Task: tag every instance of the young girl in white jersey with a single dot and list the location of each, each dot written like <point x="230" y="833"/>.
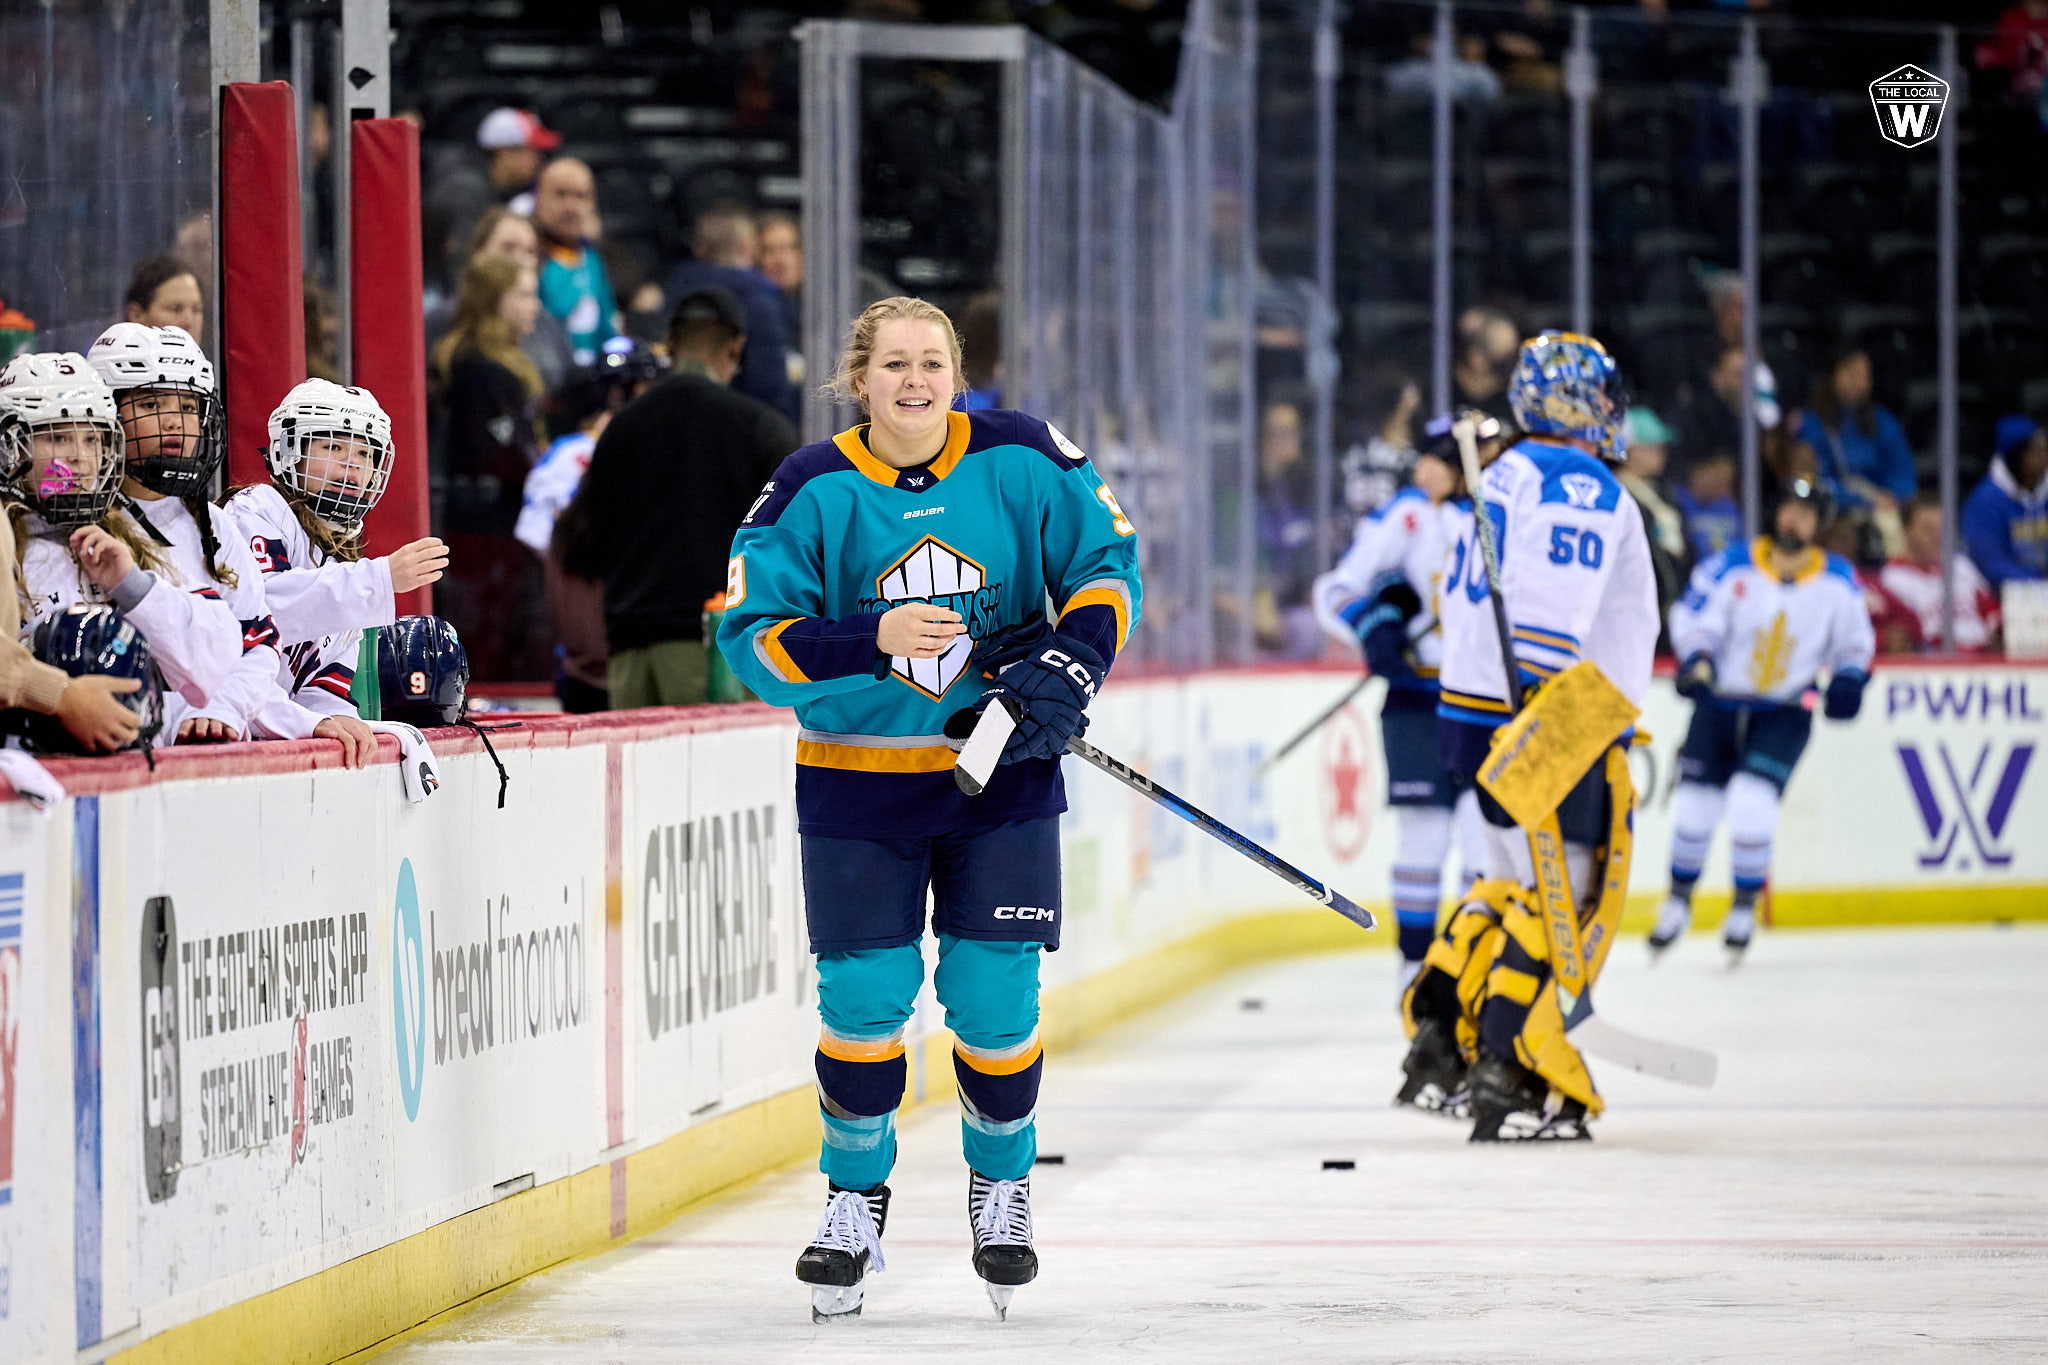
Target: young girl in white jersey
<point x="60" y="473"/>
<point x="330" y="458"/>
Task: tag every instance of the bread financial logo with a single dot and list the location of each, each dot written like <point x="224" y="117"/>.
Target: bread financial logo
<point x="1909" y="104"/>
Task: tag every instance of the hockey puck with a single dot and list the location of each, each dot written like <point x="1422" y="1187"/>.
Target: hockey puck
<point x="1340" y="1165"/>
<point x="1251" y="1003"/>
<point x="1055" y="1159"/>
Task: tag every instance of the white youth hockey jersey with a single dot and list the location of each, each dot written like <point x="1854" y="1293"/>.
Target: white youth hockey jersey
<point x="193" y="634"/>
<point x="1410" y="536"/>
<point x="321" y="605"/>
<point x="1575" y="574"/>
<point x="1772" y="638"/>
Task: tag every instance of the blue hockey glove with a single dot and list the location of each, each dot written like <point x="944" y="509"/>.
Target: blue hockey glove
<point x="1386" y="650"/>
<point x="1381" y="620"/>
<point x="1052" y="687"/>
<point x="1696" y="678"/>
<point x="1845" y="695"/>
<point x="1010" y="645"/>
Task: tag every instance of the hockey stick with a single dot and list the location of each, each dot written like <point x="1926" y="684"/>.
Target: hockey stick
<point x="1673" y="1061"/>
<point x="985" y="742"/>
<point x="1265" y="764"/>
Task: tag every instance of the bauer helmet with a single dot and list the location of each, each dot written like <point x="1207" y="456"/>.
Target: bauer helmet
<point x="1810" y="493"/>
<point x="331" y="446"/>
<point x="85" y="640"/>
<point x="159" y="376"/>
<point x="1567" y="385"/>
<point x="60" y="438"/>
<point x="422" y="671"/>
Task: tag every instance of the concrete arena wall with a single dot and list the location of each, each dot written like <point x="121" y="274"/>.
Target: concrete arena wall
<point x="291" y="1065"/>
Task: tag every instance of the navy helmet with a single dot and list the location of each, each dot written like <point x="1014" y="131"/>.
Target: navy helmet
<point x="85" y="640"/>
<point x="422" y="671"/>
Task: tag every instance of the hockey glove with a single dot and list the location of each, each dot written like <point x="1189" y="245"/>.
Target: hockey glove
<point x="1052" y="687"/>
<point x="1845" y="695"/>
<point x="1696" y="678"/>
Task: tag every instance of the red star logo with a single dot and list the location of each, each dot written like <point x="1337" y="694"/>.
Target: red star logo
<point x="1344" y="774"/>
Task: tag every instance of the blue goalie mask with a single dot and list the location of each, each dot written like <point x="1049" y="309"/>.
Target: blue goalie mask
<point x="1566" y="385"/>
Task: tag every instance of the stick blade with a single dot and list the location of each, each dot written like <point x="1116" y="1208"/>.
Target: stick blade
<point x="984" y="747"/>
<point x="1667" y="1061"/>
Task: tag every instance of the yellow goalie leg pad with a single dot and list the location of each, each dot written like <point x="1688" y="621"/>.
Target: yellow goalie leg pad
<point x="1519" y="978"/>
<point x="1600" y="930"/>
<point x="1465" y="952"/>
<point x="1560" y="733"/>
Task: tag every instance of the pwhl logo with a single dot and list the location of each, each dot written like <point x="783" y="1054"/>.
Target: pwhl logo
<point x="1909" y="103"/>
<point x="1979" y="800"/>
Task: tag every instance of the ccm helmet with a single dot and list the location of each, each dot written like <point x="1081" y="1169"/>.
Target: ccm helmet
<point x="1567" y="385"/>
<point x="163" y="387"/>
<point x="422" y="671"/>
<point x="331" y="446"/>
<point x="89" y="639"/>
<point x="54" y="407"/>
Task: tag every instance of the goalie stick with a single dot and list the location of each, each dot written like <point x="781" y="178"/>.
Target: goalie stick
<point x="1672" y="1061"/>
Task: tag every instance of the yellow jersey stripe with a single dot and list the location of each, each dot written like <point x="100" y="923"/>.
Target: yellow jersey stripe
<point x="935" y="758"/>
<point x="1472" y="703"/>
<point x="1104" y="597"/>
<point x="771" y="643"/>
<point x="855" y="448"/>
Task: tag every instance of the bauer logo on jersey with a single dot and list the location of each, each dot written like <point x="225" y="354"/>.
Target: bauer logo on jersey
<point x="1909" y="103"/>
<point x="935" y="572"/>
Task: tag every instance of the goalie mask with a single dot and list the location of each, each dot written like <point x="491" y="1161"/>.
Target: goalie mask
<point x="1568" y="386"/>
<point x="331" y="446"/>
<point x="60" y="439"/>
<point x="87" y="640"/>
<point x="163" y="387"/>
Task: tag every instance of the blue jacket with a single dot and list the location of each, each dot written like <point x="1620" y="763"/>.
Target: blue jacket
<point x="764" y="363"/>
<point x="1882" y="457"/>
<point x="2005" y="527"/>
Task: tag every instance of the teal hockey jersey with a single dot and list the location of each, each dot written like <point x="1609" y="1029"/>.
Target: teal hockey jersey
<point x="1007" y="523"/>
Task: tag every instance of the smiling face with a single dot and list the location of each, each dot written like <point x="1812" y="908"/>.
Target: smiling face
<point x="908" y="385"/>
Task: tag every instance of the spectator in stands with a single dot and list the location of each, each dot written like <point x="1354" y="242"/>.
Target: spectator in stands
<point x="723" y="254"/>
<point x="1713" y="520"/>
<point x="1471" y="78"/>
<point x="501" y="232"/>
<point x="573" y="284"/>
<point x="1642" y="474"/>
<point x="1709" y="415"/>
<point x="1487" y="347"/>
<point x="484" y="397"/>
<point x="981" y="351"/>
<point x="2005" y="518"/>
<point x="667" y="487"/>
<point x="323" y="332"/>
<point x="2020" y="47"/>
<point x="1725" y="299"/>
<point x="782" y="261"/>
<point x="461" y="188"/>
<point x="1864" y="458"/>
<point x="1374" y="469"/>
<point x="1905" y="596"/>
<point x="1284" y="620"/>
<point x="163" y="292"/>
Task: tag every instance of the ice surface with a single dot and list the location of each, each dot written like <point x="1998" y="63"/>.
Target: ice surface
<point x="1867" y="1182"/>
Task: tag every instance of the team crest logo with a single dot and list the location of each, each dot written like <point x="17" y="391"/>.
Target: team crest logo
<point x="1347" y="792"/>
<point x="1909" y="104"/>
<point x="1976" y="798"/>
<point x="1581" y="491"/>
<point x="935" y="572"/>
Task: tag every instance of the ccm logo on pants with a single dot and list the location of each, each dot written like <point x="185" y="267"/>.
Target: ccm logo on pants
<point x="1025" y="912"/>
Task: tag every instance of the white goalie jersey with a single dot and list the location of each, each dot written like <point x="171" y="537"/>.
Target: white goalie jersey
<point x="1771" y="638"/>
<point x="1575" y="575"/>
<point x="321" y="605"/>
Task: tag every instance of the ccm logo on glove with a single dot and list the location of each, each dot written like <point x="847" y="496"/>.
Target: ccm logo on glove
<point x="1076" y="671"/>
<point x="1026" y="912"/>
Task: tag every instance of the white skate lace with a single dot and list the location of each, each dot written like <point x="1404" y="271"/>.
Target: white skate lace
<point x="849" y="1226"/>
<point x="1004" y="1218"/>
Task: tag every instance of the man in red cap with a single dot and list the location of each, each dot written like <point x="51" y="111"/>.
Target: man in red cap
<point x="461" y="187"/>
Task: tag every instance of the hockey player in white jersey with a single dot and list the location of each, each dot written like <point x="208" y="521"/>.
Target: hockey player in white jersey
<point x="330" y="457"/>
<point x="1382" y="598"/>
<point x="1758" y="627"/>
<point x="61" y="469"/>
<point x="174" y="441"/>
<point x="1577" y="584"/>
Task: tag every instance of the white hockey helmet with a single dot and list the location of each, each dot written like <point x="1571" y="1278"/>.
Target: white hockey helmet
<point x="340" y="491"/>
<point x="130" y="356"/>
<point x="50" y="392"/>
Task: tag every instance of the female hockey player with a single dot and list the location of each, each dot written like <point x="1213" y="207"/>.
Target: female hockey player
<point x="330" y="457"/>
<point x="1577" y="584"/>
<point x="1382" y="597"/>
<point x="874" y="565"/>
<point x="1756" y="628"/>
<point x="61" y="462"/>
<point x="174" y="442"/>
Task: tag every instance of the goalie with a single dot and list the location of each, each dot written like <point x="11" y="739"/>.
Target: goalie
<point x="1577" y="589"/>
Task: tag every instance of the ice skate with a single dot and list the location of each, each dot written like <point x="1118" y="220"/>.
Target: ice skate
<point x="848" y="1245"/>
<point x="999" y="1213"/>
<point x="1435" y="1072"/>
<point x="1510" y="1103"/>
<point x="1672" y="923"/>
<point x="1736" y="932"/>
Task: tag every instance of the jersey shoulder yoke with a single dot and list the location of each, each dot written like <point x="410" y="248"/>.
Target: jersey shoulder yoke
<point x="797" y="469"/>
<point x="1571" y="476"/>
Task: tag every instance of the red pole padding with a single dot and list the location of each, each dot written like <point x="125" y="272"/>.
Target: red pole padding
<point x="262" y="294"/>
<point x="387" y="324"/>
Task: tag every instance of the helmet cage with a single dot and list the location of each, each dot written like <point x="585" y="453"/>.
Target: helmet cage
<point x="189" y="472"/>
<point x="319" y="480"/>
<point x="61" y="497"/>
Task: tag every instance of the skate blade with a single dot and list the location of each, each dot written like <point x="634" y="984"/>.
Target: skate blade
<point x="836" y="1302"/>
<point x="1000" y="1295"/>
<point x="1431" y="1099"/>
